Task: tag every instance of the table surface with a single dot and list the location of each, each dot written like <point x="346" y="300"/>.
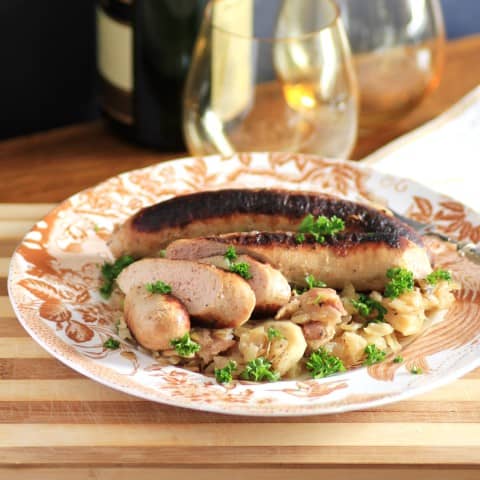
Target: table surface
<point x="50" y="167"/>
<point x="54" y="422"/>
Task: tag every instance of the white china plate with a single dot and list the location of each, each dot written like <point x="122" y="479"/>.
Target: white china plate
<point x="54" y="280"/>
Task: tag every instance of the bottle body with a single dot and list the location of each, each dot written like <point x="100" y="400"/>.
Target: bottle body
<point x="144" y="51"/>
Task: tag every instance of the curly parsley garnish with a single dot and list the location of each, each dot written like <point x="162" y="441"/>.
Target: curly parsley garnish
<point x="231" y="253"/>
<point x="438" y="275"/>
<point x="373" y="355"/>
<point x="224" y="375"/>
<point x="240" y="268"/>
<point x="273" y="333"/>
<point x="416" y="370"/>
<point x="110" y="271"/>
<point x="323" y="364"/>
<point x="319" y="227"/>
<point x="258" y="370"/>
<point x="398" y="359"/>
<point x="312" y="283"/>
<point x="366" y="306"/>
<point x="158" y="287"/>
<point x="300" y="237"/>
<point x="185" y="346"/>
<point x="111" y="344"/>
<point x="401" y="281"/>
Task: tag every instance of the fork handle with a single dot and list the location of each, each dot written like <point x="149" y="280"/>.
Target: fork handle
<point x="467" y="249"/>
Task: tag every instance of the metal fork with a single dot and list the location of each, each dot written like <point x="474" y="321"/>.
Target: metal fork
<point x="466" y="249"/>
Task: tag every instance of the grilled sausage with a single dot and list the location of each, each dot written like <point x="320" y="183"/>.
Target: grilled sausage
<point x="215" y="298"/>
<point x="244" y="210"/>
<point x="271" y="288"/>
<point x="361" y="259"/>
<point x="154" y="319"/>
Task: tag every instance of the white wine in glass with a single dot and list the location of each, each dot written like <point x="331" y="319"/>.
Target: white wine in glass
<point x="271" y="75"/>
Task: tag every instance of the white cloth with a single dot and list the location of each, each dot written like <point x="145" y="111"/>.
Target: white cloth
<point x="443" y="154"/>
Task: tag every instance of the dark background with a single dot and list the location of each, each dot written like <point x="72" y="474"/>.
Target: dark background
<point x="47" y="60"/>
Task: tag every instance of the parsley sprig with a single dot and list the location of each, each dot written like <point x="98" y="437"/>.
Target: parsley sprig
<point x="416" y="370"/>
<point x="401" y="281"/>
<point x="373" y="355"/>
<point x="110" y="272"/>
<point x="185" y="346"/>
<point x="366" y="306"/>
<point x="158" y="287"/>
<point x="240" y="268"/>
<point x="438" y="275"/>
<point x="319" y="227"/>
<point x="273" y="333"/>
<point x="111" y="344"/>
<point x="224" y="375"/>
<point x="258" y="370"/>
<point x="323" y="364"/>
<point x="398" y="359"/>
<point x="231" y="254"/>
<point x="311" y="283"/>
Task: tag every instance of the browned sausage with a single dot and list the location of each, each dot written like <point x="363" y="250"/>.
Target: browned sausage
<point x="243" y="210"/>
<point x="360" y="259"/>
<point x="155" y="319"/>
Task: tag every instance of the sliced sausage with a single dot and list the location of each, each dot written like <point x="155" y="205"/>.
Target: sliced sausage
<point x="155" y="319"/>
<point x="216" y="298"/>
<point x="360" y="259"/>
<point x="271" y="288"/>
<point x="244" y="210"/>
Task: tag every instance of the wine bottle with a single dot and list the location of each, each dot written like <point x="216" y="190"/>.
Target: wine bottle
<point x="144" y="49"/>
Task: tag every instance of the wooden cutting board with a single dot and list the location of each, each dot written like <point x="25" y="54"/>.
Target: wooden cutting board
<point x="55" y="423"/>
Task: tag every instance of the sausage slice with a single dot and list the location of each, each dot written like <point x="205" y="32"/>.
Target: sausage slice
<point x="271" y="288"/>
<point x="215" y="298"/>
<point x="155" y="319"/>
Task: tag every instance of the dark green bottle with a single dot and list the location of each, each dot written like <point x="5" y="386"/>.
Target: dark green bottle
<point x="144" y="50"/>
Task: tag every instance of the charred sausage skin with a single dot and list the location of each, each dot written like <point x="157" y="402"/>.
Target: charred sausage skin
<point x="243" y="210"/>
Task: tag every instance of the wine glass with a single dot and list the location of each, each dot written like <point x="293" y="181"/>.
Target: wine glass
<point x="398" y="52"/>
<point x="271" y="75"/>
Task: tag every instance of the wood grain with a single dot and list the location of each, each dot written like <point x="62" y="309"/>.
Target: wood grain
<point x="136" y="411"/>
<point x="51" y="166"/>
<point x="411" y="435"/>
<point x="232" y="457"/>
<point x="22" y="347"/>
<point x="42" y="368"/>
<point x="197" y="473"/>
